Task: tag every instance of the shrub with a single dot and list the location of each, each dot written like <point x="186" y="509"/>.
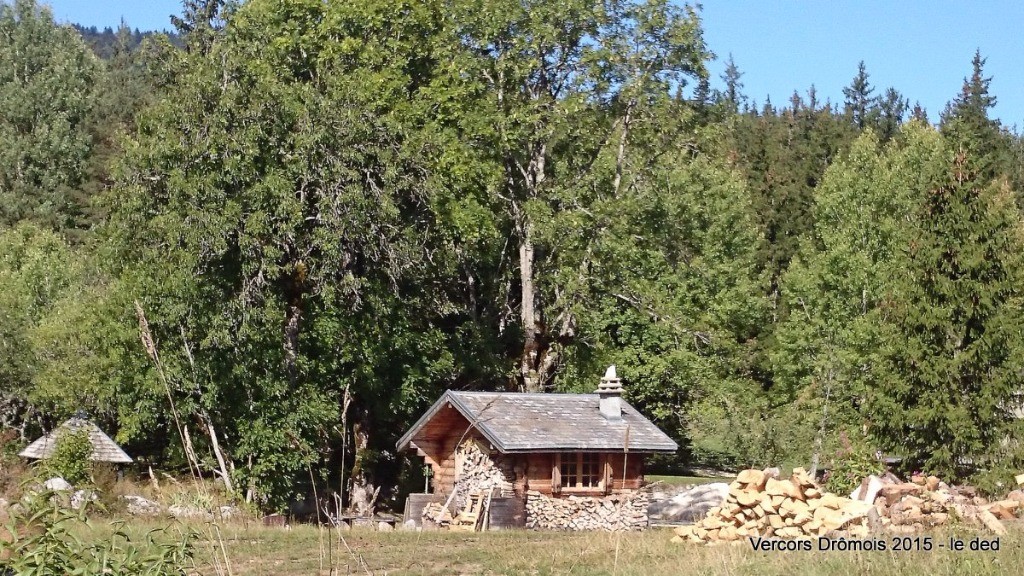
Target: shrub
<point x="45" y="543"/>
<point x="852" y="463"/>
<point x="70" y="459"/>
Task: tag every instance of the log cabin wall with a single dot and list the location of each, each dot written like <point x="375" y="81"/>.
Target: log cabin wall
<point x="436" y="443"/>
<point x="539" y="471"/>
<point x="634" y="471"/>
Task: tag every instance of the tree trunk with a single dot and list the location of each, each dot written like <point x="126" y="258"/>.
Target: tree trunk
<point x="820" y="436"/>
<point x="362" y="493"/>
<point x="218" y="453"/>
<point x="293" y="314"/>
<point x="530" y="360"/>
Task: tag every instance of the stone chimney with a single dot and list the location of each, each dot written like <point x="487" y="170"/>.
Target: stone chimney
<point x="610" y="392"/>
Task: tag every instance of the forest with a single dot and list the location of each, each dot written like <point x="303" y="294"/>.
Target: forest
<point x="285" y="230"/>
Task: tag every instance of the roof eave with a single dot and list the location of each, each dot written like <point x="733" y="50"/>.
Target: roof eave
<point x="465" y="411"/>
<point x="403" y="442"/>
<point x="579" y="449"/>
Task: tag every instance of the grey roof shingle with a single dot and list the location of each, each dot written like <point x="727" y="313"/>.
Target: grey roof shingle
<point x="103" y="448"/>
<point x="524" y="422"/>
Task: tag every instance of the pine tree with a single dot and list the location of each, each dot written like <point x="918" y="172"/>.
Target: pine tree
<point x="953" y="358"/>
<point x="966" y="120"/>
<point x="919" y="113"/>
<point x="859" y="101"/>
<point x="733" y="95"/>
<point x="892" y="109"/>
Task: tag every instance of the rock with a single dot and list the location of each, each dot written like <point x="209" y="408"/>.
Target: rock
<point x="409" y="525"/>
<point x="188" y="512"/>
<point x="57" y="484"/>
<point x="80" y="497"/>
<point x="1016" y="495"/>
<point x="228" y="512"/>
<point x="139" y="506"/>
<point x="384" y="527"/>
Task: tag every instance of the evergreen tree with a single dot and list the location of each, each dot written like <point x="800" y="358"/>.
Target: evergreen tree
<point x="859" y="103"/>
<point x="733" y="95"/>
<point x="892" y="109"/>
<point x="919" y="113"/>
<point x="966" y="120"/>
<point x="837" y="287"/>
<point x="946" y="394"/>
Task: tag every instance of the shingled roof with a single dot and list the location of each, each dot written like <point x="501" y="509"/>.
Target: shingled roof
<point x="103" y="448"/>
<point x="523" y="422"/>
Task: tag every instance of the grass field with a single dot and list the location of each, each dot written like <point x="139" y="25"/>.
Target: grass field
<point x="305" y="550"/>
<point x="686" y="480"/>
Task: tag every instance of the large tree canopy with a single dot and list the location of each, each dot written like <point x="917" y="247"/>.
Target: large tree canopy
<point x="47" y="76"/>
<point x="261" y="248"/>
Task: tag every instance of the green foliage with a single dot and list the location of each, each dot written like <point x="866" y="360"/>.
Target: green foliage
<point x="71" y="457"/>
<point x="36" y="270"/>
<point x="839" y="287"/>
<point x="330" y="212"/>
<point x="946" y="394"/>
<point x="852" y="463"/>
<point x="47" y="542"/>
<point x="46" y="85"/>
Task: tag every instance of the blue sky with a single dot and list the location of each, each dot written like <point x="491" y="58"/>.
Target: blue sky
<point x="922" y="48"/>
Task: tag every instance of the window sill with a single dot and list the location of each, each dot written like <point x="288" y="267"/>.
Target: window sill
<point x="582" y="491"/>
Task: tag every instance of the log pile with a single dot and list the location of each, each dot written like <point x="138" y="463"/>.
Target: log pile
<point x="910" y="507"/>
<point x="761" y="505"/>
<point x="436" y="515"/>
<point x="476" y="471"/>
<point x="616" y="512"/>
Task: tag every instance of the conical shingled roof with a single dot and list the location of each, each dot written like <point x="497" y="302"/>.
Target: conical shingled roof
<point x="103" y="448"/>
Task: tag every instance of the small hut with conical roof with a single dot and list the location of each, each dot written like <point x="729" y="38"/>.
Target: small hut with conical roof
<point x="103" y="448"/>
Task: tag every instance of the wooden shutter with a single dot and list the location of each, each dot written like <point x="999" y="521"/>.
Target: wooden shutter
<point x="556" y="474"/>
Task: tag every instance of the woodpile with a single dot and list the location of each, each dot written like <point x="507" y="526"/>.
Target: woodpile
<point x="476" y="471"/>
<point x="436" y="515"/>
<point x="762" y="505"/>
<point x="910" y="507"/>
<point x="616" y="512"/>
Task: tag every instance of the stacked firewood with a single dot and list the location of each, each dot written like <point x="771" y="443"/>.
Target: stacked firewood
<point x="475" y="472"/>
<point x="910" y="507"/>
<point x="616" y="512"/>
<point x="436" y="514"/>
<point x="760" y="504"/>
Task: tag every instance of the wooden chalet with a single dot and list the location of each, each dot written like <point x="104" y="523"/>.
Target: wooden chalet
<point x="547" y="445"/>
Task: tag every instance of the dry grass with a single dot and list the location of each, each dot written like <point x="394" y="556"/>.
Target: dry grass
<point x="254" y="550"/>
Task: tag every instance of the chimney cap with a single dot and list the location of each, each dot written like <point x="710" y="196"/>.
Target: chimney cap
<point x="610" y="382"/>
